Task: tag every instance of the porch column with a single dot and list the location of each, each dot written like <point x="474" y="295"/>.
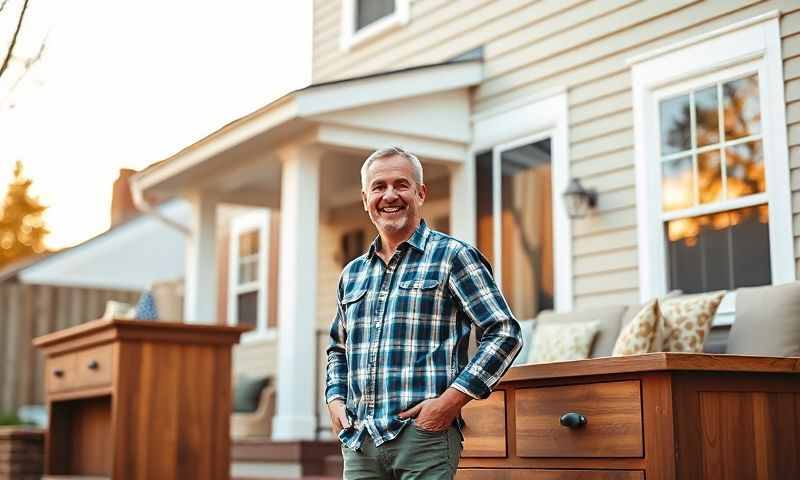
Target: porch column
<point x="463" y="201"/>
<point x="295" y="417"/>
<point x="200" y="283"/>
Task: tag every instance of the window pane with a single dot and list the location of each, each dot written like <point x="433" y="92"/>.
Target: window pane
<point x="675" y="126"/>
<point x="483" y="189"/>
<point x="527" y="220"/>
<point x="709" y="176"/>
<point x="745" y="169"/>
<point x="725" y="250"/>
<point x="248" y="243"/>
<point x="369" y="11"/>
<point x="707" y="116"/>
<point x="677" y="184"/>
<point x="248" y="271"/>
<point x="741" y="108"/>
<point x="247" y="308"/>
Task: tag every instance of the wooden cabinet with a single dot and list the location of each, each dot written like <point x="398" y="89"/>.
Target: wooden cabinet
<point x="659" y="416"/>
<point x="134" y="399"/>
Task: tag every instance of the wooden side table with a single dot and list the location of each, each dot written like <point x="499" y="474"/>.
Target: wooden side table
<point x="662" y="416"/>
<point x="138" y="399"/>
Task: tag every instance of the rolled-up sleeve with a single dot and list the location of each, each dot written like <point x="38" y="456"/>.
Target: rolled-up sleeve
<point x="336" y="376"/>
<point x="472" y="284"/>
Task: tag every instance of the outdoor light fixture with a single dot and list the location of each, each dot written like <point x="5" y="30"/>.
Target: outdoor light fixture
<point x="578" y="199"/>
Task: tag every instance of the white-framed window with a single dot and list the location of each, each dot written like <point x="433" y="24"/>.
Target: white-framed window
<point x="713" y="194"/>
<point x="365" y="19"/>
<point x="247" y="275"/>
<point x="521" y="164"/>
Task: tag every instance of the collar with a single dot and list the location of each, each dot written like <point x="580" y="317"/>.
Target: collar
<point x="417" y="240"/>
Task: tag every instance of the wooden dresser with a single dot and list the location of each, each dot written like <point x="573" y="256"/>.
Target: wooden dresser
<point x="661" y="416"/>
<point x="138" y="399"/>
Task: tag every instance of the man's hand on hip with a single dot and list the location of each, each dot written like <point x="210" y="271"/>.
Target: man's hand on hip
<point x="437" y="414"/>
<point x="338" y="414"/>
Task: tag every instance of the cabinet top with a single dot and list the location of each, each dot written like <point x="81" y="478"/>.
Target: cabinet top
<point x="652" y="362"/>
<point x="102" y="331"/>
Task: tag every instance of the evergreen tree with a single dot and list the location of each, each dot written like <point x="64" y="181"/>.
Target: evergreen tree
<point x="22" y="228"/>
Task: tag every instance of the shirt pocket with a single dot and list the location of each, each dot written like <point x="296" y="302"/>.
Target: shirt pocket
<point x="354" y="307"/>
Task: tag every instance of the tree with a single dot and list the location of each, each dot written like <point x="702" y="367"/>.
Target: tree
<point x="22" y="228"/>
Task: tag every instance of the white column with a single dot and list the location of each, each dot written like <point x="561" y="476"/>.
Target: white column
<point x="200" y="283"/>
<point x="463" y="201"/>
<point x="295" y="417"/>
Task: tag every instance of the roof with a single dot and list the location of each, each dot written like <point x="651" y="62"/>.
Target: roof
<point x="325" y="97"/>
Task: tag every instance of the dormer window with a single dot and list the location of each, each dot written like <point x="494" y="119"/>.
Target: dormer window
<point x="365" y="19"/>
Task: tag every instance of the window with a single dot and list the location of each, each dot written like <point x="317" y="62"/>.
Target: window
<point x="247" y="284"/>
<point x="365" y="19"/>
<point x="521" y="168"/>
<point x="712" y="166"/>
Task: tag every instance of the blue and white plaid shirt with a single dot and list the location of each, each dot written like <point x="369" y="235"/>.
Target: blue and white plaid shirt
<point x="401" y="331"/>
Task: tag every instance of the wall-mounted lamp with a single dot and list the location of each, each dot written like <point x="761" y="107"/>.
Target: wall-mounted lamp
<point x="578" y="199"/>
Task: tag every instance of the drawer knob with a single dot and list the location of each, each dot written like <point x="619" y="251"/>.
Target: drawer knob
<point x="572" y="420"/>
<point x="58" y="372"/>
<point x="93" y="365"/>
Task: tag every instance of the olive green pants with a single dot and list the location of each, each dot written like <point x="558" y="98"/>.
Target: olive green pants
<point x="414" y="454"/>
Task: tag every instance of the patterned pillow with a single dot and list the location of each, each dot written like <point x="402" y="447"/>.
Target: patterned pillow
<point x="558" y="342"/>
<point x="639" y="335"/>
<point x="686" y="321"/>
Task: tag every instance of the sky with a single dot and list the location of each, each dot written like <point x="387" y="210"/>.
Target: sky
<point x="123" y="84"/>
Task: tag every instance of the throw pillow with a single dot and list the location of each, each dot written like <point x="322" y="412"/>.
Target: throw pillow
<point x="687" y="320"/>
<point x="561" y="342"/>
<point x="247" y="393"/>
<point x="639" y="335"/>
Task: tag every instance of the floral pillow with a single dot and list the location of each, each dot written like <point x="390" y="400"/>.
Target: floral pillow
<point x="558" y="342"/>
<point x="686" y="321"/>
<point x="639" y="335"/>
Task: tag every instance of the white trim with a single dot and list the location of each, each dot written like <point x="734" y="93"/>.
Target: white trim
<point x="350" y="37"/>
<point x="749" y="46"/>
<point x="259" y="221"/>
<point x="536" y="119"/>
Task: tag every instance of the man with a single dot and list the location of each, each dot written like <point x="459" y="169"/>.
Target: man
<point x="398" y="372"/>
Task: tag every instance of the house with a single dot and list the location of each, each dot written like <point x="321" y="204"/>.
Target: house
<point x="679" y="118"/>
<point x="71" y="286"/>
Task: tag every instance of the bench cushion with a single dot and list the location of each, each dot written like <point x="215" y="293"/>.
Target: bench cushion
<point x="767" y="321"/>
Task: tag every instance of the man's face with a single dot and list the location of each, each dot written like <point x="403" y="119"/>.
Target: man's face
<point x="392" y="196"/>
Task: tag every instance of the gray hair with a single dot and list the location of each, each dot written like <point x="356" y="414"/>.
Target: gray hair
<point x="391" y="152"/>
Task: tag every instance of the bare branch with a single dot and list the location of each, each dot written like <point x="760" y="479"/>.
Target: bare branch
<point x="3" y="5"/>
<point x="6" y="61"/>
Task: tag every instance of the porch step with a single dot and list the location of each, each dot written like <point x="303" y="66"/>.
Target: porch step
<point x="263" y="459"/>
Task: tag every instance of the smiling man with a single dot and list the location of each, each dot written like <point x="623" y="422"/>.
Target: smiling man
<point x="398" y="373"/>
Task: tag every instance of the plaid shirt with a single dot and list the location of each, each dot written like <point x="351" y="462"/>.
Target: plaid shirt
<point x="401" y="331"/>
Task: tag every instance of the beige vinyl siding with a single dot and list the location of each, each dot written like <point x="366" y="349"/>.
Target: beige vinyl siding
<point x="790" y="31"/>
<point x="581" y="45"/>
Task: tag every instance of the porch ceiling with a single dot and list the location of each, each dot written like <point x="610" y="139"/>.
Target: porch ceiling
<point x="425" y="109"/>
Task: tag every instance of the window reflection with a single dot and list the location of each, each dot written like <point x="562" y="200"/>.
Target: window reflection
<point x="707" y="116"/>
<point x="709" y="176"/>
<point x="741" y="108"/>
<point x="675" y="126"/>
<point x="677" y="184"/>
<point x="725" y="250"/>
<point x="745" y="169"/>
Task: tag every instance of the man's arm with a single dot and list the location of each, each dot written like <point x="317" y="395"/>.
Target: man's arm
<point x="336" y="376"/>
<point x="472" y="284"/>
<point x="474" y="288"/>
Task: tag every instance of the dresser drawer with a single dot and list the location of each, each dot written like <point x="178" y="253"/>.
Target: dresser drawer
<point x="485" y="427"/>
<point x="612" y="413"/>
<point x="88" y="368"/>
<point x="536" y="474"/>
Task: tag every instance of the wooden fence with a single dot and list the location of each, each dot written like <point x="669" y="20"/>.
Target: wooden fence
<point x="28" y="311"/>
